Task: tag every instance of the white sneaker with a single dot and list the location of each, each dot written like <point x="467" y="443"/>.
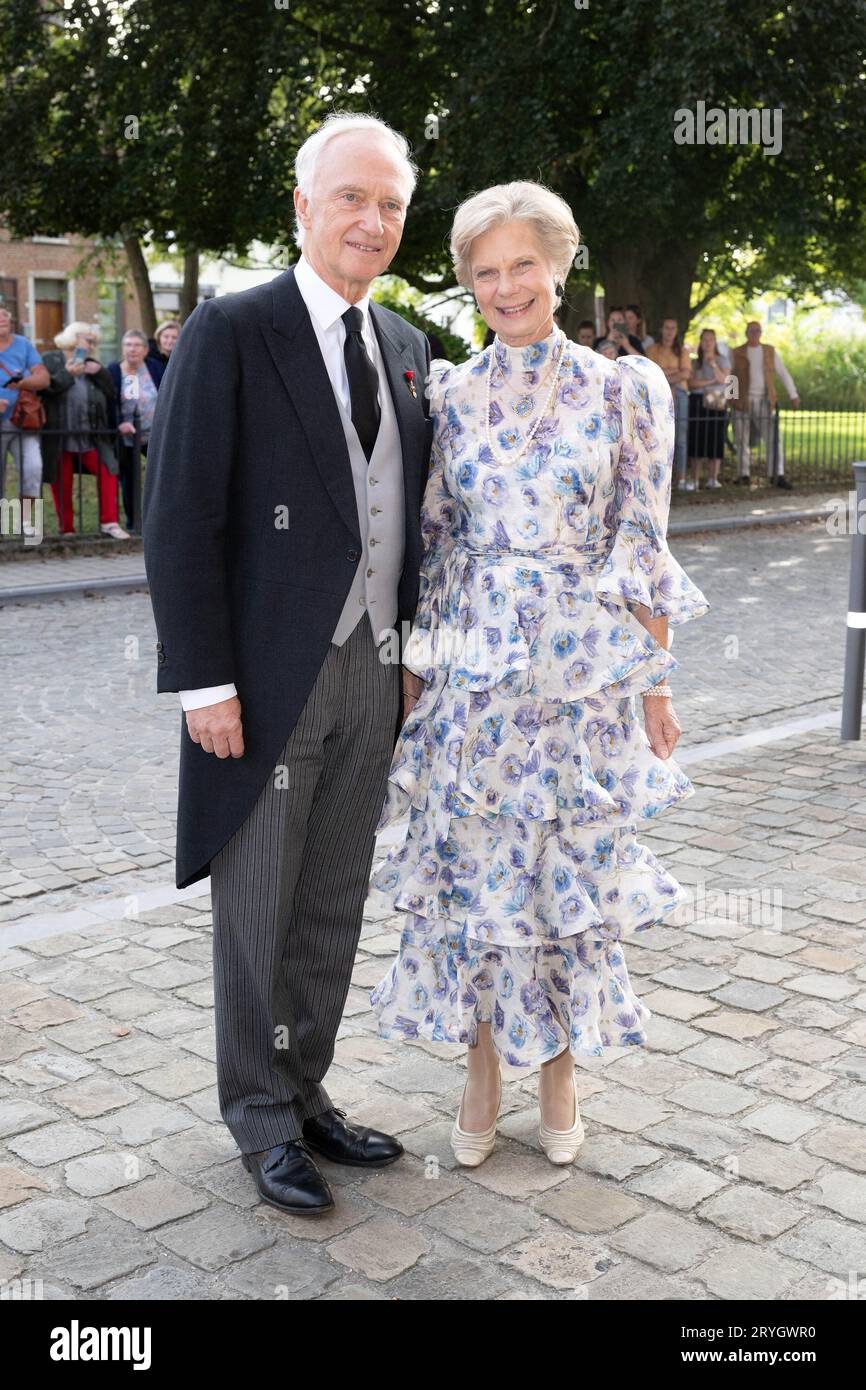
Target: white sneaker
<point x="681" y="485"/>
<point x="471" y="1149"/>
<point x="690" y="484"/>
<point x="561" y="1145"/>
<point x="713" y="482"/>
<point x="115" y="530"/>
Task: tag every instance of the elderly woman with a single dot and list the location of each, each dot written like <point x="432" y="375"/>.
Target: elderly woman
<point x="547" y="590"/>
<point x="136" y="379"/>
<point x="79" y="400"/>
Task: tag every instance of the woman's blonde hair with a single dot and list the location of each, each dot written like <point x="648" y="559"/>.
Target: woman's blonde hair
<point x="161" y="327"/>
<point x="68" y="336"/>
<point x="550" y="216"/>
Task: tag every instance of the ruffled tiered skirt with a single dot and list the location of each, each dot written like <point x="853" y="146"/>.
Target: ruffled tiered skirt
<point x="524" y="772"/>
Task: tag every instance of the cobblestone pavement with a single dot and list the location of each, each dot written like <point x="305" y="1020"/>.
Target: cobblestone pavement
<point x="726" y="1160"/>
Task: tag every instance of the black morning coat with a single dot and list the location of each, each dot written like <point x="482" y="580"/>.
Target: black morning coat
<point x="246" y="424"/>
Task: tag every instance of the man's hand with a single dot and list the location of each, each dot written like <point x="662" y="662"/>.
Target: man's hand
<point x="412" y="686"/>
<point x="795" y="402"/>
<point x="218" y="728"/>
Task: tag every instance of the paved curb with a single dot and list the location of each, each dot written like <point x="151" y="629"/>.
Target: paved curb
<point x="74" y="588"/>
<point x="731" y="523"/>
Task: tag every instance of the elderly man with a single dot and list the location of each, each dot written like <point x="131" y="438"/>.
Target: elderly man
<point x="288" y="460"/>
<point x="20" y="366"/>
<point x="754" y="366"/>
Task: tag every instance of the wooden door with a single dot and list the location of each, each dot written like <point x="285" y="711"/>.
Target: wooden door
<point x="49" y="321"/>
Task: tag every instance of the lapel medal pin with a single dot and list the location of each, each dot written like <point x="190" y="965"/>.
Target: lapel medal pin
<point x="410" y="382"/>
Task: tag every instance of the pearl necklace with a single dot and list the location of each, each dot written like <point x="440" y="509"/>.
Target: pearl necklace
<point x="525" y="394"/>
<point x="543" y="413"/>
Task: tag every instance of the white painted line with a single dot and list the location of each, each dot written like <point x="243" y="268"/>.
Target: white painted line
<point x="96" y="913"/>
<point x="720" y="748"/>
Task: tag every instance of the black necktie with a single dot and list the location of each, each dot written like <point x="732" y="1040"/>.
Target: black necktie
<point x="363" y="382"/>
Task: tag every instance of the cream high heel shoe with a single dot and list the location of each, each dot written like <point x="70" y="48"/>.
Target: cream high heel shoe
<point x="472" y="1149"/>
<point x="561" y="1145"/>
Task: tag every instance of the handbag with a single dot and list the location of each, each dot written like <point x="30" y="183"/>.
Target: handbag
<point x="28" y="412"/>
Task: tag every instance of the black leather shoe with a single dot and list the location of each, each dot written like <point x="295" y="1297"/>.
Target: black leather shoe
<point x="782" y="481"/>
<point x="331" y="1134"/>
<point x="288" y="1177"/>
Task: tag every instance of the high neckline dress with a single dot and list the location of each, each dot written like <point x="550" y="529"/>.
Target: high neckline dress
<point x="524" y="769"/>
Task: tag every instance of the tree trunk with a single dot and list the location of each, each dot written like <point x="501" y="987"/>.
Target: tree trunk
<point x="189" y="290"/>
<point x="141" y="280"/>
<point x="657" y="276"/>
<point x="578" y="304"/>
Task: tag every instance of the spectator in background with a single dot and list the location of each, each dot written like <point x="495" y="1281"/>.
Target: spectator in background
<point x="20" y="366"/>
<point x="636" y="326"/>
<point x="617" y="332"/>
<point x="671" y="355"/>
<point x="755" y="365"/>
<point x="585" y="335"/>
<point x="161" y="344"/>
<point x="79" y="399"/>
<point x="136" y="379"/>
<point x="707" y="410"/>
<point x="607" y="348"/>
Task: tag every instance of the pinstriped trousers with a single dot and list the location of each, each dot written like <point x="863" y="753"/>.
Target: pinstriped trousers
<point x="288" y="893"/>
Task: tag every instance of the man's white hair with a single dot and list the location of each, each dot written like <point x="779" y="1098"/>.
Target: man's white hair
<point x="338" y="123"/>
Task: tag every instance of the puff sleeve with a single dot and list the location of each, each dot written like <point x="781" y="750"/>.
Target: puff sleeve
<point x="441" y="520"/>
<point x="640" y="568"/>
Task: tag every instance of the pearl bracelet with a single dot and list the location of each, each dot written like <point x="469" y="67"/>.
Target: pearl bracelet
<point x="660" y="689"/>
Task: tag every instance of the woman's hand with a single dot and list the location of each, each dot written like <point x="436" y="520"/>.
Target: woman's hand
<point x="661" y="724"/>
<point x="126" y="428"/>
<point x="412" y="686"/>
<point x="659" y="717"/>
<point x="92" y="367"/>
<point x="75" y="368"/>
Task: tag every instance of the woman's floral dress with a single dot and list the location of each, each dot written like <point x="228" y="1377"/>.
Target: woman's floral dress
<point x="524" y="767"/>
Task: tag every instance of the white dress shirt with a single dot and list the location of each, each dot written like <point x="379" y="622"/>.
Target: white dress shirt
<point x="755" y="356"/>
<point x="326" y="309"/>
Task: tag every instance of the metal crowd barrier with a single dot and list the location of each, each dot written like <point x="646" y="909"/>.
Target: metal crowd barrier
<point x="129" y="477"/>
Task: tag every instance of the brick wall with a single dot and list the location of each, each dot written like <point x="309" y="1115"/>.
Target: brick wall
<point x="19" y="260"/>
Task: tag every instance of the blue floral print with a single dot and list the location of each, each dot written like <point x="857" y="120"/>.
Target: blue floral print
<point x="524" y="768"/>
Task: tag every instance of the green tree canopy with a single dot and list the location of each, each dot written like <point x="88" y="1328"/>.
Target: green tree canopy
<point x="584" y="99"/>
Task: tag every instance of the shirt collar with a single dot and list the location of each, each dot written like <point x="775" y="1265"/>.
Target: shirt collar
<point x="325" y="305"/>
